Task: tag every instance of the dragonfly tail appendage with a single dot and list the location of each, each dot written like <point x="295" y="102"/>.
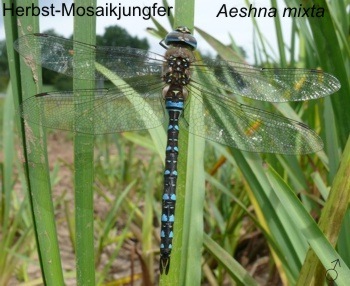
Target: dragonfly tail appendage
<point x="164" y="265"/>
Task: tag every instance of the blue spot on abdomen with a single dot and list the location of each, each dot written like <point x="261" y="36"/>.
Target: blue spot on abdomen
<point x="174" y="104"/>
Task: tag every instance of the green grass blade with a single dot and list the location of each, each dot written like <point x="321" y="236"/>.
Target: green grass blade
<point x="280" y="40"/>
<point x="14" y="232"/>
<point x="261" y="39"/>
<point x="332" y="139"/>
<point x="171" y="17"/>
<point x="192" y="237"/>
<point x="344" y="239"/>
<point x="84" y="31"/>
<point x="34" y="150"/>
<point x="147" y="223"/>
<point x="160" y="31"/>
<point x="224" y="51"/>
<point x="330" y="224"/>
<point x="9" y="154"/>
<point x="184" y="13"/>
<point x="179" y="273"/>
<point x="235" y="270"/>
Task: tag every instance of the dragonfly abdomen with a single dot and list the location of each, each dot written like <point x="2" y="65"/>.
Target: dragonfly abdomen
<point x="174" y="107"/>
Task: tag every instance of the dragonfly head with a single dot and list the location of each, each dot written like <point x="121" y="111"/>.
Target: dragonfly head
<point x="181" y="36"/>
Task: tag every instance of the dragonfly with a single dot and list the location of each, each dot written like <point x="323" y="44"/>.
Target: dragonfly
<point x="197" y="95"/>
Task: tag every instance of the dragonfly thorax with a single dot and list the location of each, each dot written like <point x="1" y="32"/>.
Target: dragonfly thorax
<point x="177" y="78"/>
<point x="176" y="75"/>
<point x="176" y="69"/>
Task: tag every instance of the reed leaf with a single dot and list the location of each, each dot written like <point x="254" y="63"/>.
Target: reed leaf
<point x="84" y="31"/>
<point x="26" y="81"/>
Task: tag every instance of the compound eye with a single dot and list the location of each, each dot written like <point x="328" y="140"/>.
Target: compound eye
<point x="181" y="36"/>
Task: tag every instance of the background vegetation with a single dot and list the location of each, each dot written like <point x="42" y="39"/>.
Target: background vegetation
<point x="268" y="219"/>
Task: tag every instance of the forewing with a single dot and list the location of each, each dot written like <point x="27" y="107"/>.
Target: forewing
<point x="56" y="53"/>
<point x="266" y="84"/>
<point x="225" y="121"/>
<point x="99" y="111"/>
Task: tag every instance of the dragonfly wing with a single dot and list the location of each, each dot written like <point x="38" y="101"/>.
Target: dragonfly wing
<point x="247" y="128"/>
<point x="266" y="84"/>
<point x="99" y="111"/>
<point x="56" y="53"/>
